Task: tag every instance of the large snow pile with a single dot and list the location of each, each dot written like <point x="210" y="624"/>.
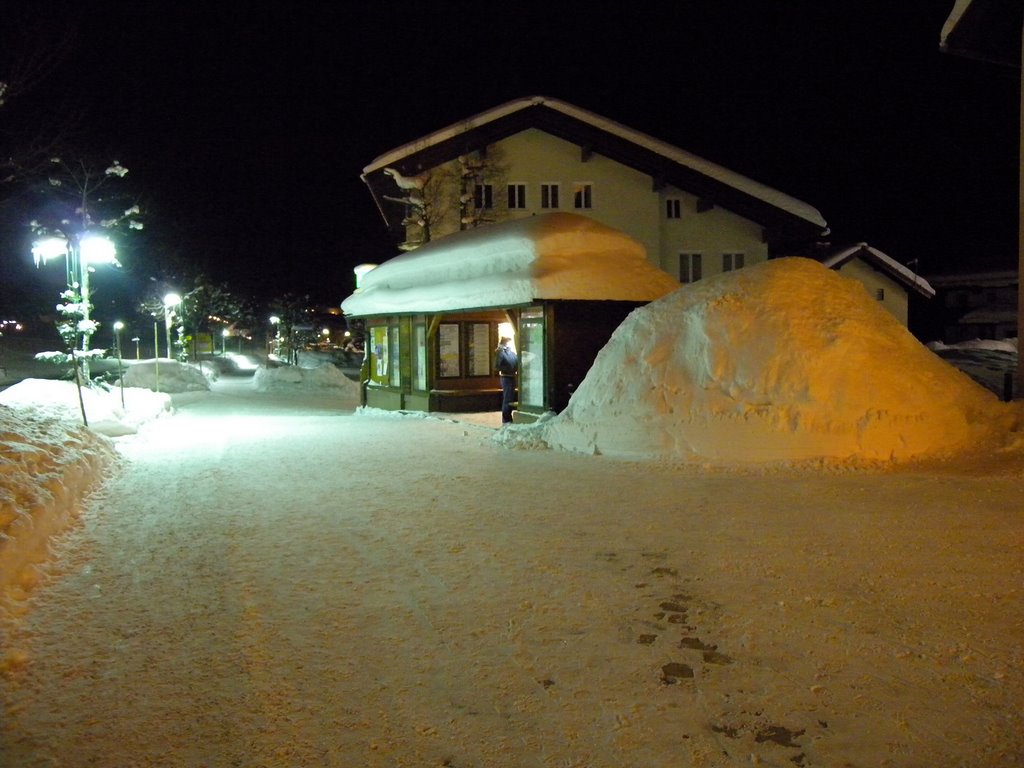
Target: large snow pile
<point x="552" y="256"/>
<point x="105" y="411"/>
<point x="48" y="463"/>
<point x="290" y="378"/>
<point x="782" y="361"/>
<point x="166" y="376"/>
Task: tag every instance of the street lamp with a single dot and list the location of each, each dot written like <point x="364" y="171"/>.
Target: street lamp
<point x="224" y="341"/>
<point x="138" y="354"/>
<point x="275" y="322"/>
<point x="81" y="253"/>
<point x="171" y="300"/>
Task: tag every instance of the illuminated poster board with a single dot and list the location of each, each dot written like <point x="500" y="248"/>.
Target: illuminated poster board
<point x="419" y="357"/>
<point x="379" y="354"/>
<point x="531" y="360"/>
<point x="396" y="370"/>
<point x="449" y="354"/>
<point x="480" y="349"/>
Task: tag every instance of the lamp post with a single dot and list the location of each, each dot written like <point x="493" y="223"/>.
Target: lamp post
<point x="224" y="341"/>
<point x="275" y="323"/>
<point x="80" y="252"/>
<point x="138" y="354"/>
<point x="156" y="352"/>
<point x="171" y="300"/>
<point x="118" y="326"/>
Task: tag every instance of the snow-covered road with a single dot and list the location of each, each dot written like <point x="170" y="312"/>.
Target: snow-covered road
<point x="274" y="581"/>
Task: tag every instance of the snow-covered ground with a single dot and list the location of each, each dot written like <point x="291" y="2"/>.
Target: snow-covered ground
<point x="263" y="574"/>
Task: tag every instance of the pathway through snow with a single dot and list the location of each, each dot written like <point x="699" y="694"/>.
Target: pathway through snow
<point x="278" y="582"/>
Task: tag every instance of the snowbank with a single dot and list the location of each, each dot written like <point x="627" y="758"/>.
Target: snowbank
<point x="783" y="361"/>
<point x="48" y="463"/>
<point x="103" y="408"/>
<point x="165" y="376"/>
<point x="289" y="378"/>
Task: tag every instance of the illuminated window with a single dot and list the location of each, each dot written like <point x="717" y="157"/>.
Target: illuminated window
<point x="673" y="208"/>
<point x="548" y="195"/>
<point x="690" y="267"/>
<point x="516" y="195"/>
<point x="731" y="261"/>
<point x="582" y="197"/>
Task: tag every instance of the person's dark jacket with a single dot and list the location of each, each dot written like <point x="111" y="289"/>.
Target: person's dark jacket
<point x="505" y="361"/>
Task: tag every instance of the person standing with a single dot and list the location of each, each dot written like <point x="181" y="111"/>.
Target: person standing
<point x="506" y="362"/>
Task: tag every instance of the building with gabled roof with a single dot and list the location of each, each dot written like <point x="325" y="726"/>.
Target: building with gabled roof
<point x="540" y="155"/>
<point x="559" y="283"/>
<point x="891" y="283"/>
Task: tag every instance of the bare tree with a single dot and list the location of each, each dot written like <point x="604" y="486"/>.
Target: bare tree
<point x="34" y="43"/>
<point x="461" y="194"/>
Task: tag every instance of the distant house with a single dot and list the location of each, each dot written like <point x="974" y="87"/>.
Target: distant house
<point x="888" y="281"/>
<point x="976" y="305"/>
<point x="541" y="155"/>
<point x="992" y="31"/>
<point x="559" y="283"/>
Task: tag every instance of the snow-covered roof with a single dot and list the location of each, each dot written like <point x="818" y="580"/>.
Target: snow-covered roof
<point x="883" y="261"/>
<point x="989" y="30"/>
<point x="1001" y="278"/>
<point x="998" y="314"/>
<point x="553" y="256"/>
<point x="688" y="160"/>
<point x="950" y="25"/>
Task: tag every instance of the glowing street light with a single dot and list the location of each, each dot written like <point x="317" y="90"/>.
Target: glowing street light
<point x="96" y="249"/>
<point x="48" y="248"/>
<point x="80" y="253"/>
<point x="275" y="322"/>
<point x="224" y="341"/>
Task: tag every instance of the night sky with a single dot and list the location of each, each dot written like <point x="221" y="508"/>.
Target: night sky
<point x="246" y="125"/>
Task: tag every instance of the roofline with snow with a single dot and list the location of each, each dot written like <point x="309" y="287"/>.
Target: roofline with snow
<point x="883" y="262"/>
<point x="664" y="163"/>
<point x="986" y="30"/>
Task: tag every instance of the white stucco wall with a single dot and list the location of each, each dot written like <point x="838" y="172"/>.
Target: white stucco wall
<point x="622" y="198"/>
<point x="895" y="295"/>
<point x="710" y="233"/>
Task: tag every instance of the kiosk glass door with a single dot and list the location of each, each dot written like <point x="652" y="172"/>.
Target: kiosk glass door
<point x="531" y="358"/>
